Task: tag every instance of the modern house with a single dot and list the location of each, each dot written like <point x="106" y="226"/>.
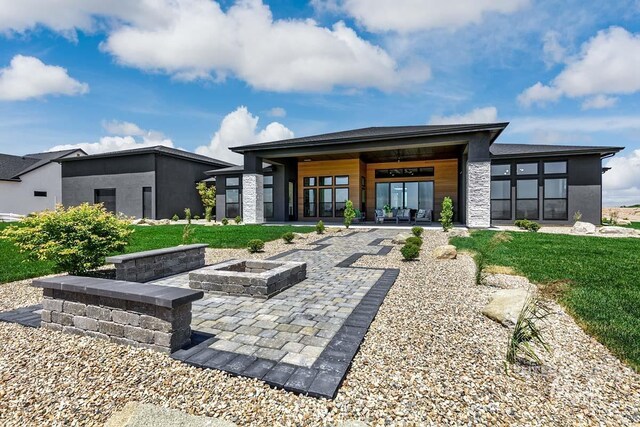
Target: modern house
<point x="32" y="182"/>
<point x="154" y="182"/>
<point x="414" y="168"/>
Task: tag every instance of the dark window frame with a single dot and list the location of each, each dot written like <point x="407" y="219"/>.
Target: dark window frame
<point x="565" y="198"/>
<point x="503" y="178"/>
<point x="307" y="181"/>
<point x="39" y="193"/>
<point x="339" y="212"/>
<point x="306" y="212"/>
<point x="321" y="181"/>
<point x="237" y="204"/>
<point x="537" y="198"/>
<point x="226" y="181"/>
<point x="537" y="173"/>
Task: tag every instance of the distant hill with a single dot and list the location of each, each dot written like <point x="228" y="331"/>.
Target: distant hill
<point x="632" y="206"/>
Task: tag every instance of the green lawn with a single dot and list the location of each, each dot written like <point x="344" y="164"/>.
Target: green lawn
<point x="13" y="265"/>
<point x="603" y="291"/>
<point x="635" y="225"/>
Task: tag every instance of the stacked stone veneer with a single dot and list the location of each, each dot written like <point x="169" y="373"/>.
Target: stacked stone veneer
<point x="257" y="278"/>
<point x="479" y="194"/>
<point x="156" y="264"/>
<point x="121" y="320"/>
<point x="252" y="198"/>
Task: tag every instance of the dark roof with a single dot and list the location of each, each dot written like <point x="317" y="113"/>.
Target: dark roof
<point x="158" y="149"/>
<point x="528" y="150"/>
<point x="235" y="170"/>
<point x="12" y="167"/>
<point x="374" y="133"/>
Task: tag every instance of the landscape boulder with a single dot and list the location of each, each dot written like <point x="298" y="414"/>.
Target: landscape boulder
<point x="621" y="231"/>
<point x="624" y="222"/>
<point x="459" y="232"/>
<point x="445" y="252"/>
<point x="583" y="228"/>
<point x="505" y="306"/>
<point x="400" y="239"/>
<point x="301" y="236"/>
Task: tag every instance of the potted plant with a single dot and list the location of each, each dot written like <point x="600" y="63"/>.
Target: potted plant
<point x="387" y="211"/>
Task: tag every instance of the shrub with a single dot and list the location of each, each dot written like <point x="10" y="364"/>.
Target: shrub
<point x="196" y="217"/>
<point x="207" y="194"/>
<point x="288" y="237"/>
<point x="255" y="245"/>
<point x="187" y="234"/>
<point x="208" y="213"/>
<point x="446" y="215"/>
<point x="410" y="252"/>
<point x="525" y="224"/>
<point x="175" y="217"/>
<point x="320" y="227"/>
<point x="413" y="240"/>
<point x="527" y="332"/>
<point x="417" y="231"/>
<point x="75" y="239"/>
<point x="224" y="221"/>
<point x="187" y="215"/>
<point x="238" y="219"/>
<point x="533" y="226"/>
<point x="577" y="216"/>
<point x="349" y="213"/>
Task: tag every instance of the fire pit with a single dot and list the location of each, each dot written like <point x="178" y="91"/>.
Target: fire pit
<point x="256" y="278"/>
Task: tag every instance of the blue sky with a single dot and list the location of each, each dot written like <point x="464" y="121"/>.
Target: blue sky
<point x="204" y="75"/>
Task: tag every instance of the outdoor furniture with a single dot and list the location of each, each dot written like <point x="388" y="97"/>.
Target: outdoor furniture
<point x="403" y="215"/>
<point x="423" y="215"/>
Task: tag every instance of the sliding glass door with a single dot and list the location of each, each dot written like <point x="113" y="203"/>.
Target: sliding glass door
<point x="405" y="195"/>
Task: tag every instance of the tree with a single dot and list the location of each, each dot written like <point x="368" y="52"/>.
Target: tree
<point x="349" y="213"/>
<point x="446" y="216"/>
<point x="207" y="194"/>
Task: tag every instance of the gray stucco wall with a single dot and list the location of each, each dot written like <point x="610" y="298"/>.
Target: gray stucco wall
<point x="80" y="189"/>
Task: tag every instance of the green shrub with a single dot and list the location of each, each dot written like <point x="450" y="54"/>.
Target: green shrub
<point x="525" y="224"/>
<point x="75" y="239"/>
<point x="527" y="331"/>
<point x="533" y="226"/>
<point x="288" y="237"/>
<point x="207" y="194"/>
<point x="187" y="215"/>
<point x="255" y="245"/>
<point x="413" y="240"/>
<point x="320" y="227"/>
<point x="224" y="221"/>
<point x="446" y="215"/>
<point x="577" y="216"/>
<point x="349" y="213"/>
<point x="238" y="219"/>
<point x="196" y="217"/>
<point x="187" y="234"/>
<point x="208" y="213"/>
<point x="175" y="217"/>
<point x="417" y="231"/>
<point x="410" y="252"/>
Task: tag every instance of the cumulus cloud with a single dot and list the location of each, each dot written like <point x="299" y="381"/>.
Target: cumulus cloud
<point x="125" y="136"/>
<point x="27" y="77"/>
<point x="240" y="127"/>
<point x="621" y="184"/>
<point x="405" y="16"/>
<point x="554" y="52"/>
<point x="599" y="102"/>
<point x="277" y="112"/>
<point x="478" y="115"/>
<point x="607" y="64"/>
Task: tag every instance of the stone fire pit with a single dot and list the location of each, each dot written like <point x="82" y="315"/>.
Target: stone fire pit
<point x="256" y="278"/>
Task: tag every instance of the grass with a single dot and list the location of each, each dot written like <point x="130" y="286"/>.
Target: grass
<point x="15" y="266"/>
<point x="635" y="225"/>
<point x="596" y="279"/>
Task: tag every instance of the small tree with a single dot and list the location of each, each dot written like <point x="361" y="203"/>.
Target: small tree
<point x="349" y="213"/>
<point x="208" y="213"/>
<point x="446" y="216"/>
<point x="75" y="239"/>
<point x="320" y="227"/>
<point x="207" y="195"/>
<point x="187" y="215"/>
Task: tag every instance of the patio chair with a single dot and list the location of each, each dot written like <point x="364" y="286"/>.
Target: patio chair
<point x="403" y="215"/>
<point x="423" y="215"/>
<point x="379" y="216"/>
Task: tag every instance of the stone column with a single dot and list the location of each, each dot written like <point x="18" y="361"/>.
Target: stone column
<point x="252" y="198"/>
<point x="478" y="194"/>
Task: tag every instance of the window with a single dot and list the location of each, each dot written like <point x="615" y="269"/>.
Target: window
<point x="555" y="198"/>
<point x="404" y="172"/>
<point x="342" y="180"/>
<point x="232" y="182"/>
<point x="146" y="203"/>
<point x="527" y="199"/>
<point x="382" y="194"/>
<point x="309" y="181"/>
<point x="342" y="195"/>
<point x="326" y="202"/>
<point x="39" y="194"/>
<point x="106" y="196"/>
<point x="405" y="195"/>
<point x="232" y="202"/>
<point x="268" y="180"/>
<point x="500" y="170"/>
<point x="527" y="169"/>
<point x="501" y="199"/>
<point x="309" y="202"/>
<point x="326" y="180"/>
<point x="555" y="167"/>
<point x="268" y="202"/>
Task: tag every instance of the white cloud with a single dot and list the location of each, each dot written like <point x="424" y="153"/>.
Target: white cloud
<point x="530" y="124"/>
<point x="478" y="115"/>
<point x="608" y="64"/>
<point x="240" y="127"/>
<point x="621" y="184"/>
<point x="277" y="112"/>
<point x="599" y="102"/>
<point x="115" y="127"/>
<point x="27" y="77"/>
<point x="554" y="52"/>
<point x="405" y="16"/>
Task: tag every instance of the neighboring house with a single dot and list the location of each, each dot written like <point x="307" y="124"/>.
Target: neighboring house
<point x="32" y="182"/>
<point x="414" y="167"/>
<point x="154" y="182"/>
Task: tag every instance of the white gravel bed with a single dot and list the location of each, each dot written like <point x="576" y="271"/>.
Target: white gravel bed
<point x="429" y="358"/>
<point x="562" y="230"/>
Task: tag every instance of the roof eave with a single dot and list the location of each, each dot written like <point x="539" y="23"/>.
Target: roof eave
<point x="610" y="151"/>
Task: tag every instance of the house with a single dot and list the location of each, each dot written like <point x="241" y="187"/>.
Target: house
<point x="413" y="167"/>
<point x="151" y="182"/>
<point x="32" y="182"/>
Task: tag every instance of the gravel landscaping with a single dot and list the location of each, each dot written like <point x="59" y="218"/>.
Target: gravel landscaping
<point x="429" y="357"/>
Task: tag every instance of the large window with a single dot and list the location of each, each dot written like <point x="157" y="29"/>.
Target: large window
<point x="309" y="202"/>
<point x="405" y="195"/>
<point x="106" y="196"/>
<point x="326" y="202"/>
<point x="501" y="199"/>
<point x="342" y="195"/>
<point x="527" y="199"/>
<point x="232" y="202"/>
<point x="555" y="199"/>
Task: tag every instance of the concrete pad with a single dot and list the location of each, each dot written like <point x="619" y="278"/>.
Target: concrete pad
<point x="136" y="414"/>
